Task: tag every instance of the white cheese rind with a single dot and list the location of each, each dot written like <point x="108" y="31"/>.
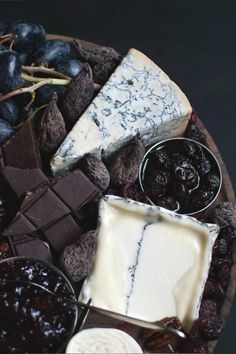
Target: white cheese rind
<point x="150" y="263"/>
<point x="138" y="99"/>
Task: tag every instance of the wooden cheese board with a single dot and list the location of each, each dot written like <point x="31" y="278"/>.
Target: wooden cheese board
<point x="226" y="194"/>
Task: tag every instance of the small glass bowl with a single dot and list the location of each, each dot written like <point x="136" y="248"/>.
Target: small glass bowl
<point x="167" y="144"/>
<point x="22" y="262"/>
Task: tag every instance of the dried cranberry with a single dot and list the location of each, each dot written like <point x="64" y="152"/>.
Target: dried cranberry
<point x="213" y="290"/>
<point x="185" y="172"/>
<point x="157" y="182"/>
<point x="220" y="247"/>
<point x="132" y="190"/>
<point x="202" y="198"/>
<point x="4" y="250"/>
<point x="167" y="202"/>
<point x="189" y="148"/>
<point x="212" y="181"/>
<point x="208" y="307"/>
<point x="161" y="158"/>
<point x="181" y="192"/>
<point x="203" y="167"/>
<point x="194" y="133"/>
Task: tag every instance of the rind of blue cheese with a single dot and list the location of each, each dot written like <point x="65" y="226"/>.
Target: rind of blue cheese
<point x="150" y="263"/>
<point x="138" y="99"/>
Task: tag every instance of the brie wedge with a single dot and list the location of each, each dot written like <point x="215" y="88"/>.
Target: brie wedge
<point x="138" y="99"/>
<point x="150" y="262"/>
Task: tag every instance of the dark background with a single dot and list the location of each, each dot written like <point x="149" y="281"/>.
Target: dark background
<point x="193" y="41"/>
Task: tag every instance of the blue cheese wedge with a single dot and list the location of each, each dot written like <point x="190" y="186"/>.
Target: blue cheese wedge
<point x="150" y="263"/>
<point x="138" y="99"/>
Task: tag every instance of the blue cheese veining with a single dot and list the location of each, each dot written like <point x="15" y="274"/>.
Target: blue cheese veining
<point x="138" y="99"/>
<point x="150" y="263"/>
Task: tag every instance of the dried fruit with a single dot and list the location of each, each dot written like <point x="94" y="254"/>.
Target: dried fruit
<point x="212" y="181"/>
<point x="103" y="70"/>
<point x="103" y="60"/>
<point x="228" y="233"/>
<point x="52" y="129"/>
<point x="4" y="250"/>
<point x="77" y="259"/>
<point x="224" y="214"/>
<point x="157" y="182"/>
<point x="208" y="307"/>
<point x="206" y="327"/>
<point x="223" y="274"/>
<point x="77" y="96"/>
<point x="132" y="190"/>
<point x="194" y="133"/>
<point x="96" y="171"/>
<point x="124" y="166"/>
<point x="2" y="210"/>
<point x="167" y="202"/>
<point x="220" y="247"/>
<point x="153" y="340"/>
<point x="213" y="290"/>
<point x="195" y="347"/>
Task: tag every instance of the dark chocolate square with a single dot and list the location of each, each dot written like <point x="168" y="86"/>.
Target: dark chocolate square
<point x="75" y="190"/>
<point x="46" y="209"/>
<point x="62" y="233"/>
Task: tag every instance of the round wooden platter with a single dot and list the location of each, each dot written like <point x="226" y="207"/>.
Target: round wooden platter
<point x="226" y="193"/>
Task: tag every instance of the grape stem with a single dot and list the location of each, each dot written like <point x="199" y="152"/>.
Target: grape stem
<point x="43" y="69"/>
<point x="32" y="88"/>
<point x="7" y="38"/>
<point x="52" y="81"/>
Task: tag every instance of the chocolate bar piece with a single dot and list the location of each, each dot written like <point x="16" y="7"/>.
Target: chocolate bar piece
<point x="21" y="181"/>
<point x="21" y="150"/>
<point x="30" y="246"/>
<point x="49" y="209"/>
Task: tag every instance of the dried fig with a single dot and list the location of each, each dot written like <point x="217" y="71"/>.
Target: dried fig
<point x="96" y="171"/>
<point x="124" y="166"/>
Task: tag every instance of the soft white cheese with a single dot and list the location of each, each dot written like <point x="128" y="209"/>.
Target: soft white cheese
<point x="138" y="99"/>
<point x="102" y="340"/>
<point x="150" y="263"/>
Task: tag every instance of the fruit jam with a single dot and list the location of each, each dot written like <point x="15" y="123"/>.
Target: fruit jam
<point x="31" y="319"/>
<point x="180" y="175"/>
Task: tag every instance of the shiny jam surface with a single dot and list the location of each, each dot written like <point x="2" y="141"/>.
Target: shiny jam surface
<point x="32" y="320"/>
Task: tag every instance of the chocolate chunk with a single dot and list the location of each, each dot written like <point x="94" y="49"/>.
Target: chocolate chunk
<point x="77" y="96"/>
<point x="29" y="246"/>
<point x="22" y="150"/>
<point x="52" y="130"/>
<point x="77" y="259"/>
<point x="21" y="181"/>
<point x="46" y="208"/>
<point x="62" y="233"/>
<point x="19" y="225"/>
<point x="96" y="171"/>
<point x="49" y="209"/>
<point x="75" y="190"/>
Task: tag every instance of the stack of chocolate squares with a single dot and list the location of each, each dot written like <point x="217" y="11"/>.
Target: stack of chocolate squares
<point x="46" y="215"/>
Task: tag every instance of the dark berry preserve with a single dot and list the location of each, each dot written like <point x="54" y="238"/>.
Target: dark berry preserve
<point x="32" y="320"/>
<point x="181" y="175"/>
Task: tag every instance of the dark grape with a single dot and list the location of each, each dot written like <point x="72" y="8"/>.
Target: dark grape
<point x="68" y="66"/>
<point x="29" y="35"/>
<point x="6" y="131"/>
<point x="9" y="111"/>
<point x="23" y="57"/>
<point x="49" y="52"/>
<point x="10" y="69"/>
<point x="44" y="94"/>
